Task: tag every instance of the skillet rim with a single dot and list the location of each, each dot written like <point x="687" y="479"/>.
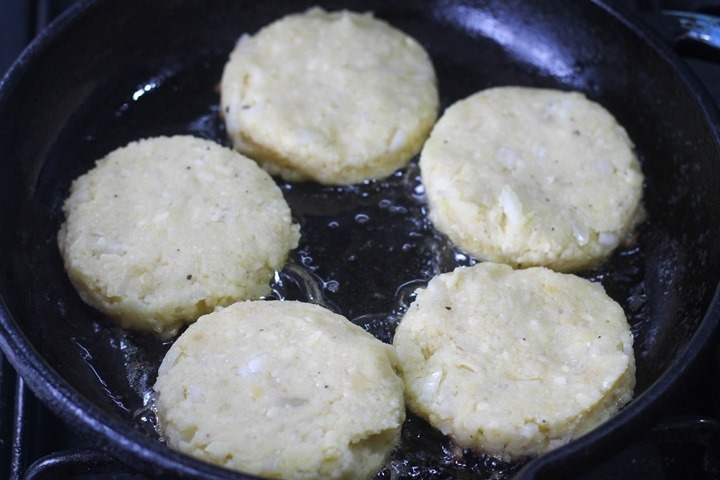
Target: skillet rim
<point x="127" y="444"/>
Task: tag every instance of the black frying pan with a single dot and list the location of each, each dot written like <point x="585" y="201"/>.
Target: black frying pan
<point x="113" y="71"/>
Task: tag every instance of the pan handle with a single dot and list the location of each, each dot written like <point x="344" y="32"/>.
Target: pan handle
<point x="698" y="27"/>
<point x="71" y="463"/>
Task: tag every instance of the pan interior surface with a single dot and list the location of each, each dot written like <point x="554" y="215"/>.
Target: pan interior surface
<point x="125" y="70"/>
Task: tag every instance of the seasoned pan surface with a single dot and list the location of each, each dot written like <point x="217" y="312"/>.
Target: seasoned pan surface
<point x="116" y="71"/>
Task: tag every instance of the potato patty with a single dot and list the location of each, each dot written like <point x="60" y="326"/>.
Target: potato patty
<point x="514" y="362"/>
<point x="281" y="389"/>
<point x="532" y="177"/>
<point x="338" y="97"/>
<point x="164" y="230"/>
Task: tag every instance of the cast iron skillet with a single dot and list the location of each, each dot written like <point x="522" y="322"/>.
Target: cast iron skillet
<point x="112" y="71"/>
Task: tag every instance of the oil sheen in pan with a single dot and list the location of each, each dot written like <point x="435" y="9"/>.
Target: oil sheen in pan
<point x="364" y="250"/>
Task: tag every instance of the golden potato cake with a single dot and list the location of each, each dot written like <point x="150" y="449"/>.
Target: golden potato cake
<point x="514" y="362"/>
<point x="165" y="229"/>
<point x="334" y="97"/>
<point x="532" y="177"/>
<point x="281" y="389"/>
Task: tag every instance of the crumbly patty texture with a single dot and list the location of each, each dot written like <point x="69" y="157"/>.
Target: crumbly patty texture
<point x="514" y="362"/>
<point x="337" y="97"/>
<point x="281" y="389"/>
<point x="165" y="229"/>
<point x="532" y="177"/>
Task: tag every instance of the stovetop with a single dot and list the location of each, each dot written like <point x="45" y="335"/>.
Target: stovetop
<point x="685" y="443"/>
